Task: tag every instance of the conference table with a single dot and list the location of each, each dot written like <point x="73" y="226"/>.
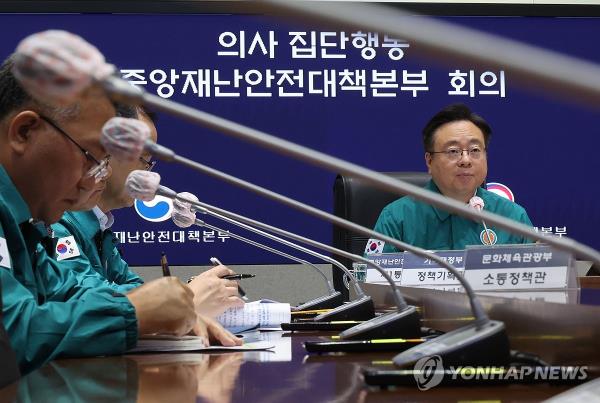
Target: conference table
<point x="289" y="374"/>
<point x="239" y="377"/>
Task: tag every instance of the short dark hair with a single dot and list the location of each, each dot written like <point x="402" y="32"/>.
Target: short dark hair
<point x="13" y="96"/>
<point x="454" y="113"/>
<point x="124" y="110"/>
<point x="144" y="110"/>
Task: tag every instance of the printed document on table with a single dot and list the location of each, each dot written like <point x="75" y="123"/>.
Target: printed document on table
<point x="257" y="314"/>
<point x="165" y="343"/>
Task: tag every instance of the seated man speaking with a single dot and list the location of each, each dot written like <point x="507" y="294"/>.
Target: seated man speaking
<point x="455" y="141"/>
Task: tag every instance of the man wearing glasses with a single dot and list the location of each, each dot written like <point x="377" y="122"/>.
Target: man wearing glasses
<point x="98" y="260"/>
<point x="455" y="141"/>
<point x="50" y="158"/>
<point x="87" y="229"/>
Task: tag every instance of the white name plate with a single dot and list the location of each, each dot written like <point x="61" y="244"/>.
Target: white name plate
<point x="516" y="267"/>
<point x="390" y="262"/>
<point x="417" y="271"/>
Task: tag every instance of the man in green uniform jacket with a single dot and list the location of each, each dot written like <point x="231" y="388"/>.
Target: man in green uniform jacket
<point x="93" y="255"/>
<point x="97" y="260"/>
<point x="49" y="156"/>
<point x="455" y="141"/>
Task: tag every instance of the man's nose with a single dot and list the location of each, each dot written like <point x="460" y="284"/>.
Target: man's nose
<point x="465" y="158"/>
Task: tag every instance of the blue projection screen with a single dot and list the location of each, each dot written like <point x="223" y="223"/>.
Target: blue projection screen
<point x="359" y="96"/>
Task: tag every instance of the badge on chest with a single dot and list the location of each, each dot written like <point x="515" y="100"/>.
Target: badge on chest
<point x="66" y="248"/>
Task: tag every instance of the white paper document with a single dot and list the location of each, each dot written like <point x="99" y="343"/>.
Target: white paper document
<point x="159" y="342"/>
<point x="257" y="314"/>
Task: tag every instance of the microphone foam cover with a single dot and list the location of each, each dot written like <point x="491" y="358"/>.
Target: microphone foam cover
<point x="183" y="214"/>
<point x="124" y="138"/>
<point x="185" y="205"/>
<point x="477" y="203"/>
<point x="142" y="185"/>
<point x="56" y="66"/>
<point x="182" y="218"/>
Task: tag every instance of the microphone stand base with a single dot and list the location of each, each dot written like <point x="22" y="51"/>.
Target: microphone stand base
<point x="468" y="345"/>
<point x="359" y="309"/>
<point x="404" y="325"/>
<point x="325" y="302"/>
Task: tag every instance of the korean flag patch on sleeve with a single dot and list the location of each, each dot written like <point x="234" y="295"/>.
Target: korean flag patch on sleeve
<point x="4" y="255"/>
<point x="66" y="248"/>
<point x="374" y="246"/>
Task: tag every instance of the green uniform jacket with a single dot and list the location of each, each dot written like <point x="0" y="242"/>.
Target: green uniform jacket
<point x="428" y="227"/>
<point x="46" y="312"/>
<point x="99" y="262"/>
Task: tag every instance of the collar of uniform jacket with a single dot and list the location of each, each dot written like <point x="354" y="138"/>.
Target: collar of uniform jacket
<point x="106" y="220"/>
<point x="443" y="215"/>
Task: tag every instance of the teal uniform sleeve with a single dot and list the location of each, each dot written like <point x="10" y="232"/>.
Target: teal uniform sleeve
<point x="117" y="269"/>
<point x="124" y="279"/>
<point x="94" y="322"/>
<point x="390" y="224"/>
<point x="96" y="268"/>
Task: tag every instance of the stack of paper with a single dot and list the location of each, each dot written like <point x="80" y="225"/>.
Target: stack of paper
<point x="257" y="314"/>
<point x="160" y="342"/>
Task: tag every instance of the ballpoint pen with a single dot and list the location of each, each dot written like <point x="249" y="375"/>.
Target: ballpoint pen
<point x="164" y="265"/>
<point x="242" y="293"/>
<point x="241" y="276"/>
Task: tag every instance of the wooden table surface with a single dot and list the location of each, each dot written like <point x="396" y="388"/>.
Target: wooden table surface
<point x="561" y="334"/>
<point x="287" y="375"/>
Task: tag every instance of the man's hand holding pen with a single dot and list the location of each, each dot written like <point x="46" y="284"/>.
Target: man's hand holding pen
<point x="214" y="294"/>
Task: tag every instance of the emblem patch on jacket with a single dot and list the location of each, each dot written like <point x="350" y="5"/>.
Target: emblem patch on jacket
<point x="4" y="255"/>
<point x="488" y="237"/>
<point x="66" y="248"/>
<point x="374" y="246"/>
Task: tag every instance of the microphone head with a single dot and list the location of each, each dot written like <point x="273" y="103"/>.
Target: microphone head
<point x="477" y="203"/>
<point x="184" y="215"/>
<point x="124" y="138"/>
<point x="142" y="185"/>
<point x="56" y="66"/>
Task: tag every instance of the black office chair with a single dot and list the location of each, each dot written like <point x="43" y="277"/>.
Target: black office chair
<point x="361" y="203"/>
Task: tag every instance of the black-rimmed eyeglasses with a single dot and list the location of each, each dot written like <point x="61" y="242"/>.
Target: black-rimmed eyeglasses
<point x="148" y="164"/>
<point x="99" y="169"/>
<point x="456" y="153"/>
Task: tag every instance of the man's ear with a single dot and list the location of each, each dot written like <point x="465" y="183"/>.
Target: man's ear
<point x="21" y="129"/>
<point x="428" y="162"/>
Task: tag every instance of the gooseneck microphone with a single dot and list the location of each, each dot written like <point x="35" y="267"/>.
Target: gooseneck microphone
<point x="144" y="185"/>
<point x="482" y="332"/>
<point x="453" y="44"/>
<point x="45" y="61"/>
<point x="359" y="292"/>
<point x="183" y="216"/>
<point x="386" y="319"/>
<point x="402" y="323"/>
<point x="57" y="66"/>
<point x="477" y="203"/>
<point x="482" y="329"/>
